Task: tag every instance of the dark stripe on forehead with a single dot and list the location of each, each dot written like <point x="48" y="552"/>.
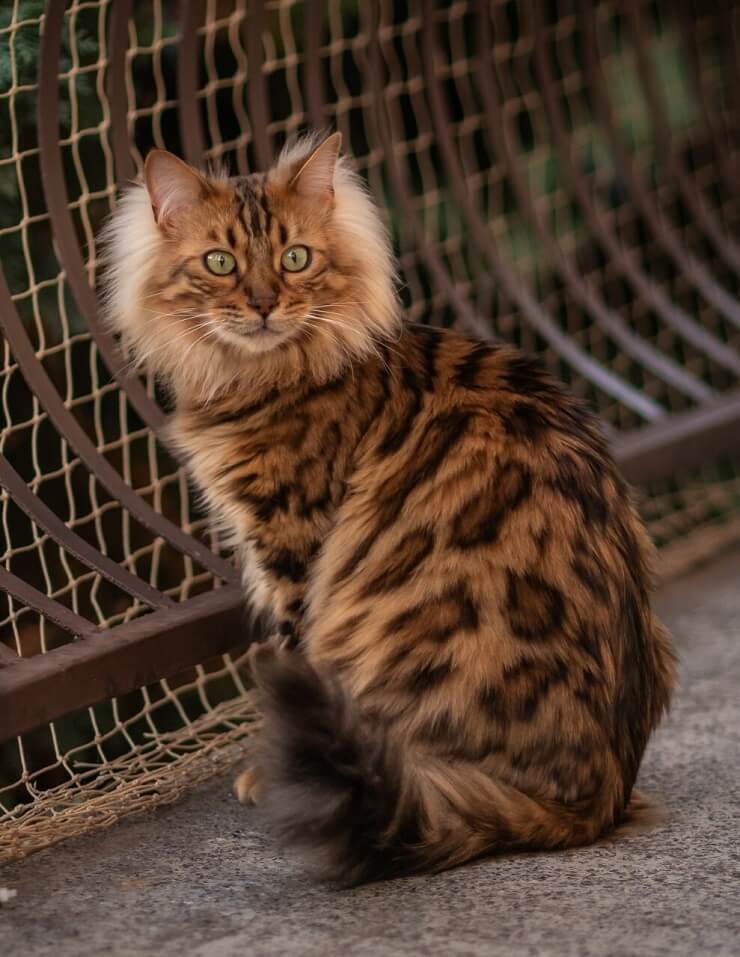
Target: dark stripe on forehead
<point x="283" y="234"/>
<point x="240" y="213"/>
<point x="254" y="210"/>
<point x="246" y="210"/>
<point x="230" y="237"/>
<point x="266" y="210"/>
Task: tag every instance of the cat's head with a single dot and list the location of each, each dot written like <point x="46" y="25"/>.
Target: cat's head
<point x="271" y="276"/>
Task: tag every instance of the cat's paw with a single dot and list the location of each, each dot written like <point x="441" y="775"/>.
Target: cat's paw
<point x="249" y="786"/>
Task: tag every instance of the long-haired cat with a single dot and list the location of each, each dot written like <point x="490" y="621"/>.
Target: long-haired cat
<point x="465" y="660"/>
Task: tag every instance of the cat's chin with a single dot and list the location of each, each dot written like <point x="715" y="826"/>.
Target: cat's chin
<point x="254" y="343"/>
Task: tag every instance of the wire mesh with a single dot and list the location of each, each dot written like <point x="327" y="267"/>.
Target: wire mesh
<point x="574" y="161"/>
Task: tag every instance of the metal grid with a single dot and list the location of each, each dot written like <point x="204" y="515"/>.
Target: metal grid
<point x="562" y="176"/>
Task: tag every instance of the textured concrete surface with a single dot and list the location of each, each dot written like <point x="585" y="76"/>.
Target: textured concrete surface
<point x="202" y="879"/>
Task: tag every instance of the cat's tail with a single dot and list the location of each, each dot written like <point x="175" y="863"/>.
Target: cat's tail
<point x="363" y="808"/>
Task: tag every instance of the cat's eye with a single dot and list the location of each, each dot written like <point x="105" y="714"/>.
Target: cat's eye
<point x="296" y="258"/>
<point x="220" y="262"/>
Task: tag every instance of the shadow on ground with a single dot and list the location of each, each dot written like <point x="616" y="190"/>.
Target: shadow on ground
<point x="201" y="878"/>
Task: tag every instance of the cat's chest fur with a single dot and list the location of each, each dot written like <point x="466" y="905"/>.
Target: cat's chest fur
<point x="272" y="478"/>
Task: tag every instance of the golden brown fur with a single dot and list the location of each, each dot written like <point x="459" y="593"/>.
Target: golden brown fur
<point x="468" y="660"/>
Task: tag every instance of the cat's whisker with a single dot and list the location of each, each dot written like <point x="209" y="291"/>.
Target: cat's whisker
<point x="141" y="359"/>
<point x="211" y="332"/>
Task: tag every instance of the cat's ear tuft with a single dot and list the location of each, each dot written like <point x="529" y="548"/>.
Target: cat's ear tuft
<point x="315" y="178"/>
<point x="173" y="186"/>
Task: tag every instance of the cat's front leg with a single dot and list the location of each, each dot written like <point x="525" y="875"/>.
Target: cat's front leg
<point x="248" y="786"/>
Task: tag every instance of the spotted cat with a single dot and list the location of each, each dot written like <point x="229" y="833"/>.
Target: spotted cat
<point x="464" y="657"/>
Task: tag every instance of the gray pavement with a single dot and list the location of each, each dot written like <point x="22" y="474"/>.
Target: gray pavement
<point x="201" y="878"/>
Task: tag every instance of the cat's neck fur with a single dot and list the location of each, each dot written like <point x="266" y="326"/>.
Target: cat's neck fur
<point x="246" y="379"/>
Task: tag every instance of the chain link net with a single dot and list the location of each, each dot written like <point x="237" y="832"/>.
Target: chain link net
<point x="591" y="158"/>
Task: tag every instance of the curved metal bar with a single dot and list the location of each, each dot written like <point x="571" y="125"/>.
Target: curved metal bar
<point x="584" y="294"/>
<point x="43" y="388"/>
<point x="686" y="263"/>
<point x="726" y="160"/>
<point x="730" y="49"/>
<point x="188" y="58"/>
<point x="55" y="193"/>
<point x="650" y="293"/>
<point x="312" y="75"/>
<point x="694" y="200"/>
<point x="532" y="311"/>
<point x="254" y="25"/>
<point x="685" y="441"/>
<point x="43" y="516"/>
<point x="465" y="312"/>
<point x="116" y="89"/>
<point x="48" y="607"/>
<point x="37" y="690"/>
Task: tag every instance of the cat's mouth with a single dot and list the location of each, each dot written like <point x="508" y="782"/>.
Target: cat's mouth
<point x="262" y="330"/>
<point x="257" y="335"/>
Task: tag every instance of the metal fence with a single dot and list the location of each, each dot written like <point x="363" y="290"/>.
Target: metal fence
<point x="562" y="175"/>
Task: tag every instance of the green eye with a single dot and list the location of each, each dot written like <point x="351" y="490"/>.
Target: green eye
<point x="220" y="262"/>
<point x="296" y="258"/>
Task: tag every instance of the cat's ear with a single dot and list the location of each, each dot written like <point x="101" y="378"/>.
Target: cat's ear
<point x="173" y="186"/>
<point x="315" y="178"/>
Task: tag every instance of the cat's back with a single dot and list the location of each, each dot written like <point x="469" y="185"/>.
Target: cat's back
<point x="482" y="489"/>
<point x="466" y="426"/>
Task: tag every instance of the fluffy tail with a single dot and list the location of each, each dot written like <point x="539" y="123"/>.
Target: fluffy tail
<point x="337" y="787"/>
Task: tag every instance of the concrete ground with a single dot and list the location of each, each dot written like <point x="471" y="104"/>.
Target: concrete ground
<point x="202" y="879"/>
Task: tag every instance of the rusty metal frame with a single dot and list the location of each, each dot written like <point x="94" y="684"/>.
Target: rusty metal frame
<point x="102" y="663"/>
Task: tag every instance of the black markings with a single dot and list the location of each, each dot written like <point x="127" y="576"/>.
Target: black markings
<point x="254" y="212"/>
<point x="286" y="564"/>
<point x="590" y="571"/>
<point x="244" y="411"/>
<point x="289" y="631"/>
<point x="526" y="421"/>
<point x="438" y="729"/>
<point x="526" y="376"/>
<point x="535" y="609"/>
<point x="439" y="437"/>
<point x="399" y="432"/>
<point x="318" y="503"/>
<point x="635" y="689"/>
<point x="481" y="518"/>
<point x="493" y="703"/>
<point x="427" y="677"/>
<point x="452" y="612"/>
<point x="331" y="386"/>
<point x="267" y="212"/>
<point x="469" y="616"/>
<point x="408" y="556"/>
<point x="537" y="679"/>
<point x="242" y="216"/>
<point x="359" y="554"/>
<point x="469" y="367"/>
<point x="267" y="506"/>
<point x="283" y="232"/>
<point x="431" y="340"/>
<point x="230" y="237"/>
<point x="583" y="487"/>
<point x="589" y="641"/>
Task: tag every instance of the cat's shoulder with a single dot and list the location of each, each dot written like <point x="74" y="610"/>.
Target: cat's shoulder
<point x="530" y="404"/>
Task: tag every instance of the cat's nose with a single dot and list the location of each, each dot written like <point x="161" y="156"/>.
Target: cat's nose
<point x="263" y="301"/>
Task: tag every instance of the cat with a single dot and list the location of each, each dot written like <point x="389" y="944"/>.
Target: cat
<point x="464" y="659"/>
